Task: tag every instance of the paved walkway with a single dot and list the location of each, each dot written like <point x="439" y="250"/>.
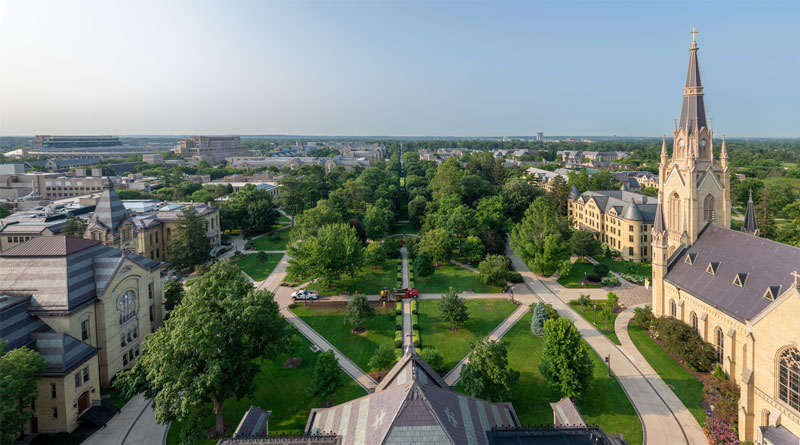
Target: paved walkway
<point x="134" y="425"/>
<point x="454" y="375"/>
<point x="465" y="266"/>
<point x="684" y="416"/>
<point x="660" y="424"/>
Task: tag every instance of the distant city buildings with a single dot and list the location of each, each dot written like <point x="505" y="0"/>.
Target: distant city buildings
<point x="63" y="147"/>
<point x="544" y="178"/>
<point x="213" y="149"/>
<point x="540" y="136"/>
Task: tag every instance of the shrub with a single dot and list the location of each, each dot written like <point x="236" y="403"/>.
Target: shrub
<point x="594" y="278"/>
<point x="681" y="340"/>
<point x="415" y="321"/>
<point x="433" y="358"/>
<point x="398" y="323"/>
<point x="633" y="278"/>
<point x="720" y="373"/>
<point x="720" y="433"/>
<point x="600" y="269"/>
<point x="515" y="277"/>
<point x="415" y="338"/>
<point x="398" y="353"/>
<point x="383" y="358"/>
<point x="398" y="339"/>
<point x="413" y="306"/>
<point x="398" y="308"/>
<point x="609" y="280"/>
<point x="552" y="314"/>
<point x="724" y="395"/>
<point x="585" y="300"/>
<point x="643" y="317"/>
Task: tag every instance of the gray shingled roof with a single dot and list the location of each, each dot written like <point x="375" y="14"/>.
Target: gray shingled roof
<point x="109" y="212"/>
<point x="255" y="422"/>
<point x="16" y="324"/>
<point x="750" y="225"/>
<point x="766" y="262"/>
<point x="62" y="352"/>
<point x="636" y="207"/>
<point x="779" y="434"/>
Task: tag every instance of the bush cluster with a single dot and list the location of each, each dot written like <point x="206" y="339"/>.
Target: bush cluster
<point x="682" y="341"/>
<point x="515" y="277"/>
<point x="609" y="280"/>
<point x="398" y="339"/>
<point x="414" y="321"/>
<point x="398" y="323"/>
<point x="633" y="278"/>
<point x="414" y="306"/>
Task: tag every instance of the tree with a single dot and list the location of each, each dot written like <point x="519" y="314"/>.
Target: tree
<point x="423" y="264"/>
<point x="565" y="267"/>
<point x="494" y="270"/>
<point x="361" y="233"/>
<point x="650" y="191"/>
<point x="173" y="295"/>
<point x="557" y="196"/>
<point x="486" y="375"/>
<point x="374" y="254"/>
<point x="539" y="317"/>
<point x="333" y="251"/>
<point x="453" y="309"/>
<point x="447" y="179"/>
<point x="357" y="311"/>
<point x="438" y="244"/>
<point x="189" y="246"/>
<point x="416" y="210"/>
<point x="74" y="227"/>
<point x="583" y="243"/>
<point x="579" y="179"/>
<point x="566" y="362"/>
<point x="376" y="222"/>
<point x="537" y="238"/>
<point x="211" y="342"/>
<point x="327" y="376"/>
<point x="604" y="180"/>
<point x="309" y="222"/>
<point x="20" y="370"/>
<point x="262" y="258"/>
<point x="382" y="358"/>
<point x="517" y="196"/>
<point x="202" y="196"/>
<point x="4" y="212"/>
<point x="613" y="300"/>
<point x="472" y="249"/>
<point x="433" y="358"/>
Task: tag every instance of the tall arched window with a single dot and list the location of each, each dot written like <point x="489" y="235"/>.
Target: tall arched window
<point x="673" y="308"/>
<point x="789" y="377"/>
<point x="708" y="208"/>
<point x="720" y="338"/>
<point x="693" y="317"/>
<point x="674" y="221"/>
<point x="126" y="305"/>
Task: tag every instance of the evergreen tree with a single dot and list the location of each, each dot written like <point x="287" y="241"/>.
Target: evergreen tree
<point x="558" y="196"/>
<point x="539" y="317"/>
<point x="189" y="246"/>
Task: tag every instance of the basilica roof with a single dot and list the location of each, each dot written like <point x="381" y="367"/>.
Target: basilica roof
<point x="751" y="271"/>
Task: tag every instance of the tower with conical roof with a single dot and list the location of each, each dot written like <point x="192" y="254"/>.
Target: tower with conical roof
<point x="750" y="225"/>
<point x="695" y="186"/>
<point x="111" y="224"/>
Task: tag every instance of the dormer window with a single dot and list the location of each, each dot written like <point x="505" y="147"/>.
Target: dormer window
<point x="772" y="293"/>
<point x="740" y="279"/>
<point x="712" y="268"/>
<point x="690" y="257"/>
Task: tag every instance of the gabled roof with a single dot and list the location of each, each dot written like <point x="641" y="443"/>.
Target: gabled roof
<point x="765" y="262"/>
<point x="62" y="352"/>
<point x="110" y="213"/>
<point x="255" y="422"/>
<point x="51" y="246"/>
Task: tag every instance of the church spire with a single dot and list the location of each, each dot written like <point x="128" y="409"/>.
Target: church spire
<point x="693" y="112"/>
<point x="659" y="227"/>
<point x="723" y="154"/>
<point x="664" y="154"/>
<point x="750" y="225"/>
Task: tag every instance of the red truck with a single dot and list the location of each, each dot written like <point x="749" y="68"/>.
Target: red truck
<point x="405" y="293"/>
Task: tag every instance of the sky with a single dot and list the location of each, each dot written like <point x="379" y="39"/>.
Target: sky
<point x="394" y="68"/>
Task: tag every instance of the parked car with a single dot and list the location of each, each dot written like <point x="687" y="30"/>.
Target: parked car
<point x="305" y="294"/>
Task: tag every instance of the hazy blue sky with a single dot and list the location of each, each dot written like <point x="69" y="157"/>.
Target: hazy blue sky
<point x="393" y="68"/>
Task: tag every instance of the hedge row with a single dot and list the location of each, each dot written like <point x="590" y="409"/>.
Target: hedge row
<point x="415" y="321"/>
<point x="398" y="339"/>
<point x="415" y="338"/>
<point x="398" y="308"/>
<point x="398" y="323"/>
<point x="413" y="306"/>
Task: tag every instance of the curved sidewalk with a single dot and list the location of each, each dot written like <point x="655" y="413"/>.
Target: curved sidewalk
<point x="662" y="422"/>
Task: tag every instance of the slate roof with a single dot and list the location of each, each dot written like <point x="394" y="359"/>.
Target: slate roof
<point x="255" y="422"/>
<point x="62" y="273"/>
<point x="750" y="225"/>
<point x="109" y="212"/>
<point x="779" y="435"/>
<point x="631" y="206"/>
<point x="766" y="262"/>
<point x="16" y="324"/>
<point x="422" y="407"/>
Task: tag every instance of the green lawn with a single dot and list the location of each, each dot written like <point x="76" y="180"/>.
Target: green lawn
<point x="281" y="238"/>
<point x="251" y="266"/>
<point x="284" y="391"/>
<point x="405" y="228"/>
<point x="330" y="324"/>
<point x="576" y="275"/>
<point x="601" y="325"/>
<point x="449" y="275"/>
<point x="368" y="281"/>
<point x="484" y="317"/>
<point x="683" y="383"/>
<point x="115" y="398"/>
<point x="605" y="405"/>
<point x="622" y="266"/>
<point x="284" y="220"/>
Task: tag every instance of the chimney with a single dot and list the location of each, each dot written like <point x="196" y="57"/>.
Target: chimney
<point x="80" y="172"/>
<point x="97" y="172"/>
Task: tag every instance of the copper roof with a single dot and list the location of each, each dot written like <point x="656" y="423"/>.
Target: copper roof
<point x="58" y="245"/>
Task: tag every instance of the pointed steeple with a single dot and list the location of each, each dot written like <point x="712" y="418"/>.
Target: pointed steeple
<point x="723" y="154"/>
<point x="693" y="111"/>
<point x="750" y="225"/>
<point x="664" y="153"/>
<point x="659" y="227"/>
<point x="110" y="211"/>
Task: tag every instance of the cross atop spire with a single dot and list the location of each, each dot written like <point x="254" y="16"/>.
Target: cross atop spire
<point x="693" y="110"/>
<point x="693" y="33"/>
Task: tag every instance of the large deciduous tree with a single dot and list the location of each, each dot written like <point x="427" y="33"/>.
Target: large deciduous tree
<point x="327" y="376"/>
<point x="583" y="243"/>
<point x="517" y="196"/>
<point x="335" y="250"/>
<point x="566" y="363"/>
<point x="189" y="245"/>
<point x="376" y="222"/>
<point x="20" y="370"/>
<point x="487" y="375"/>
<point x="206" y="352"/>
<point x="453" y="309"/>
<point x="357" y="312"/>
<point x="438" y="243"/>
<point x="494" y="270"/>
<point x="537" y="239"/>
<point x="423" y="264"/>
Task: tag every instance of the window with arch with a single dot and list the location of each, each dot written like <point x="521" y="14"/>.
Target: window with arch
<point x="708" y="208"/>
<point x="126" y="305"/>
<point x="694" y="322"/>
<point x="674" y="220"/>
<point x="789" y="377"/>
<point x="720" y="342"/>
<point x="673" y="309"/>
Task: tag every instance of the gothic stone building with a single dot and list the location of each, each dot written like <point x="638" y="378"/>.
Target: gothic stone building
<point x="738" y="291"/>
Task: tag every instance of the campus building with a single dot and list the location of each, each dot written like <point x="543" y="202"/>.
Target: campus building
<point x="86" y="308"/>
<point x="618" y="218"/>
<point x="213" y="149"/>
<point x="737" y="290"/>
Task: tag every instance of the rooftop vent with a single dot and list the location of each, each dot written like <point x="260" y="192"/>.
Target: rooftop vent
<point x="690" y="257"/>
<point x="772" y="292"/>
<point x="712" y="268"/>
<point x="740" y="279"/>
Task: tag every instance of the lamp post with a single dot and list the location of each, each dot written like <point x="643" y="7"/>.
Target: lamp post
<point x="608" y="360"/>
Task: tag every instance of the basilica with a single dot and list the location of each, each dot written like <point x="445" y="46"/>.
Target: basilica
<point x="737" y="290"/>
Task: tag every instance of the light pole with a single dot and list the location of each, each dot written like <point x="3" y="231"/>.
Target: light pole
<point x="608" y="360"/>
